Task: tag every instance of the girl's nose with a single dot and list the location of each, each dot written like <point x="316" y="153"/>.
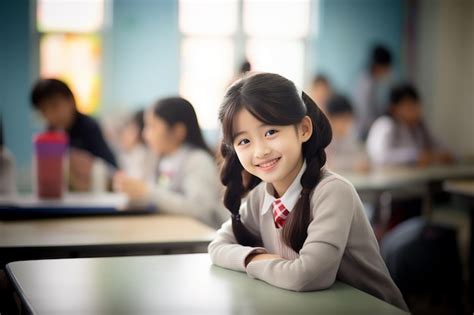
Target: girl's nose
<point x="262" y="150"/>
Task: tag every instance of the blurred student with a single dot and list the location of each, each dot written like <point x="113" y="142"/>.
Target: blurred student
<point x="371" y="92"/>
<point x="187" y="180"/>
<point x="244" y="68"/>
<point x="345" y="152"/>
<point x="320" y="91"/>
<point x="401" y="137"/>
<point x="7" y="167"/>
<point x="135" y="159"/>
<point x="55" y="102"/>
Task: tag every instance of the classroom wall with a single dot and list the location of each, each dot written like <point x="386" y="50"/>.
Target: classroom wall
<point x="141" y="53"/>
<point x="445" y="71"/>
<point x="347" y="31"/>
<point x="17" y="55"/>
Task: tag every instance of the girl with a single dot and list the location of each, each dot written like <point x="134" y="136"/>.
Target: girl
<point x="401" y="137"/>
<point x="134" y="157"/>
<point x="302" y="226"/>
<point x="187" y="180"/>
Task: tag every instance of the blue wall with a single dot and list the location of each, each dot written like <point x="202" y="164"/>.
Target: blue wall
<point x="347" y="30"/>
<point x="141" y="53"/>
<point x="16" y="46"/>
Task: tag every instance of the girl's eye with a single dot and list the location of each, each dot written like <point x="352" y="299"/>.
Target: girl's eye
<point x="243" y="141"/>
<point x="270" y="132"/>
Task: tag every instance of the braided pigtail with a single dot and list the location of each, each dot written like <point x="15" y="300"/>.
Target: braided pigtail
<point x="295" y="231"/>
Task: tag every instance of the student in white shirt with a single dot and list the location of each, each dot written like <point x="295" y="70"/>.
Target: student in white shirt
<point x="301" y="227"/>
<point x="187" y="178"/>
<point x="7" y="167"/>
<point x="401" y="137"/>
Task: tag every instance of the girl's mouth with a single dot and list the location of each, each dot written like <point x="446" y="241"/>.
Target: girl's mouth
<point x="268" y="165"/>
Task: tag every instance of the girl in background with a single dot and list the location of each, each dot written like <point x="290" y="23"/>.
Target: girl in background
<point x="186" y="178"/>
<point x="302" y="226"/>
<point x="401" y="137"/>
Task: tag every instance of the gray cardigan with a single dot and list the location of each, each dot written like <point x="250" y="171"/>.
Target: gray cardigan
<point x="340" y="244"/>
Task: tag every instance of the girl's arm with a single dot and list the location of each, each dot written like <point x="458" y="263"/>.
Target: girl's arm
<point x="224" y="249"/>
<point x="200" y="195"/>
<point x="316" y="268"/>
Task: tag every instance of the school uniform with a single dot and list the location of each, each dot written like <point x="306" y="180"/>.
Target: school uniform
<point x="340" y="244"/>
<point x="188" y="183"/>
<point x="393" y="143"/>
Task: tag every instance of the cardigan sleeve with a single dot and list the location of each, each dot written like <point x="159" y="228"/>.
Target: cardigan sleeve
<point x="319" y="258"/>
<point x="224" y="250"/>
<point x="200" y="195"/>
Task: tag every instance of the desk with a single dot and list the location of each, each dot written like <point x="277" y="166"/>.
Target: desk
<point x="385" y="182"/>
<point x="174" y="284"/>
<point x="100" y="236"/>
<point x="464" y="191"/>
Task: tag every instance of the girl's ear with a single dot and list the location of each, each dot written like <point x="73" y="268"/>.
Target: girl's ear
<point x="306" y="128"/>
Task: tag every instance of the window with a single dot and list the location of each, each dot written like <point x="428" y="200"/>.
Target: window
<point x="71" y="46"/>
<point x="217" y="35"/>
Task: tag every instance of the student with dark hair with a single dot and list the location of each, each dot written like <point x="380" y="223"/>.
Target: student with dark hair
<point x="135" y="159"/>
<point x="345" y="153"/>
<point x="55" y="102"/>
<point x="401" y="137"/>
<point x="187" y="181"/>
<point x="301" y="226"/>
<point x="371" y="91"/>
<point x="320" y="90"/>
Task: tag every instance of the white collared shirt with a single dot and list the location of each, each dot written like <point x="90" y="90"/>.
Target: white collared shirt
<point x="289" y="198"/>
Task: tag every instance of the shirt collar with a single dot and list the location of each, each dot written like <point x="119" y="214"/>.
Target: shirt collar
<point x="290" y="197"/>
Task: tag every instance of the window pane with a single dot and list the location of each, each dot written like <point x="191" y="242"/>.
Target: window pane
<point x="76" y="60"/>
<point x="206" y="71"/>
<point x="271" y="18"/>
<point x="285" y="57"/>
<point x="208" y="17"/>
<point x="70" y="15"/>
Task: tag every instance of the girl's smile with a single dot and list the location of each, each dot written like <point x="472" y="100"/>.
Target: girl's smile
<point x="269" y="165"/>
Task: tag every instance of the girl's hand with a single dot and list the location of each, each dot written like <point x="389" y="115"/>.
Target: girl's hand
<point x="134" y="188"/>
<point x="256" y="257"/>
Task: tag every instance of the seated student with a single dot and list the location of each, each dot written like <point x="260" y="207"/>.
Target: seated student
<point x="344" y="153"/>
<point x="320" y="91"/>
<point x="401" y="137"/>
<point x="55" y="102"/>
<point x="7" y="168"/>
<point x="187" y="180"/>
<point x="301" y="226"/>
<point x="135" y="159"/>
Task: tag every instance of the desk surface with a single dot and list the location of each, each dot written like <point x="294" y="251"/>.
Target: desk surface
<point x="406" y="177"/>
<point x="461" y="187"/>
<point x="156" y="230"/>
<point x="177" y="284"/>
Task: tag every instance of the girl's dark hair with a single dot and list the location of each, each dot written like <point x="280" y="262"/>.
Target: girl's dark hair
<point x="139" y="121"/>
<point x="399" y="93"/>
<point x="47" y="88"/>
<point x="273" y="100"/>
<point x="175" y="110"/>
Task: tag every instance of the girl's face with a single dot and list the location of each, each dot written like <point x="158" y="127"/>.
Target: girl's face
<point x="161" y="138"/>
<point x="408" y="111"/>
<point x="272" y="153"/>
<point x="130" y="136"/>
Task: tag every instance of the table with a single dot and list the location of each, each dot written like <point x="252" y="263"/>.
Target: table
<point x="101" y="236"/>
<point x="464" y="191"/>
<point x="383" y="183"/>
<point x="173" y="284"/>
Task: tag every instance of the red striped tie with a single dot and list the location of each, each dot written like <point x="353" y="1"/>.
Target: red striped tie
<point x="280" y="213"/>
